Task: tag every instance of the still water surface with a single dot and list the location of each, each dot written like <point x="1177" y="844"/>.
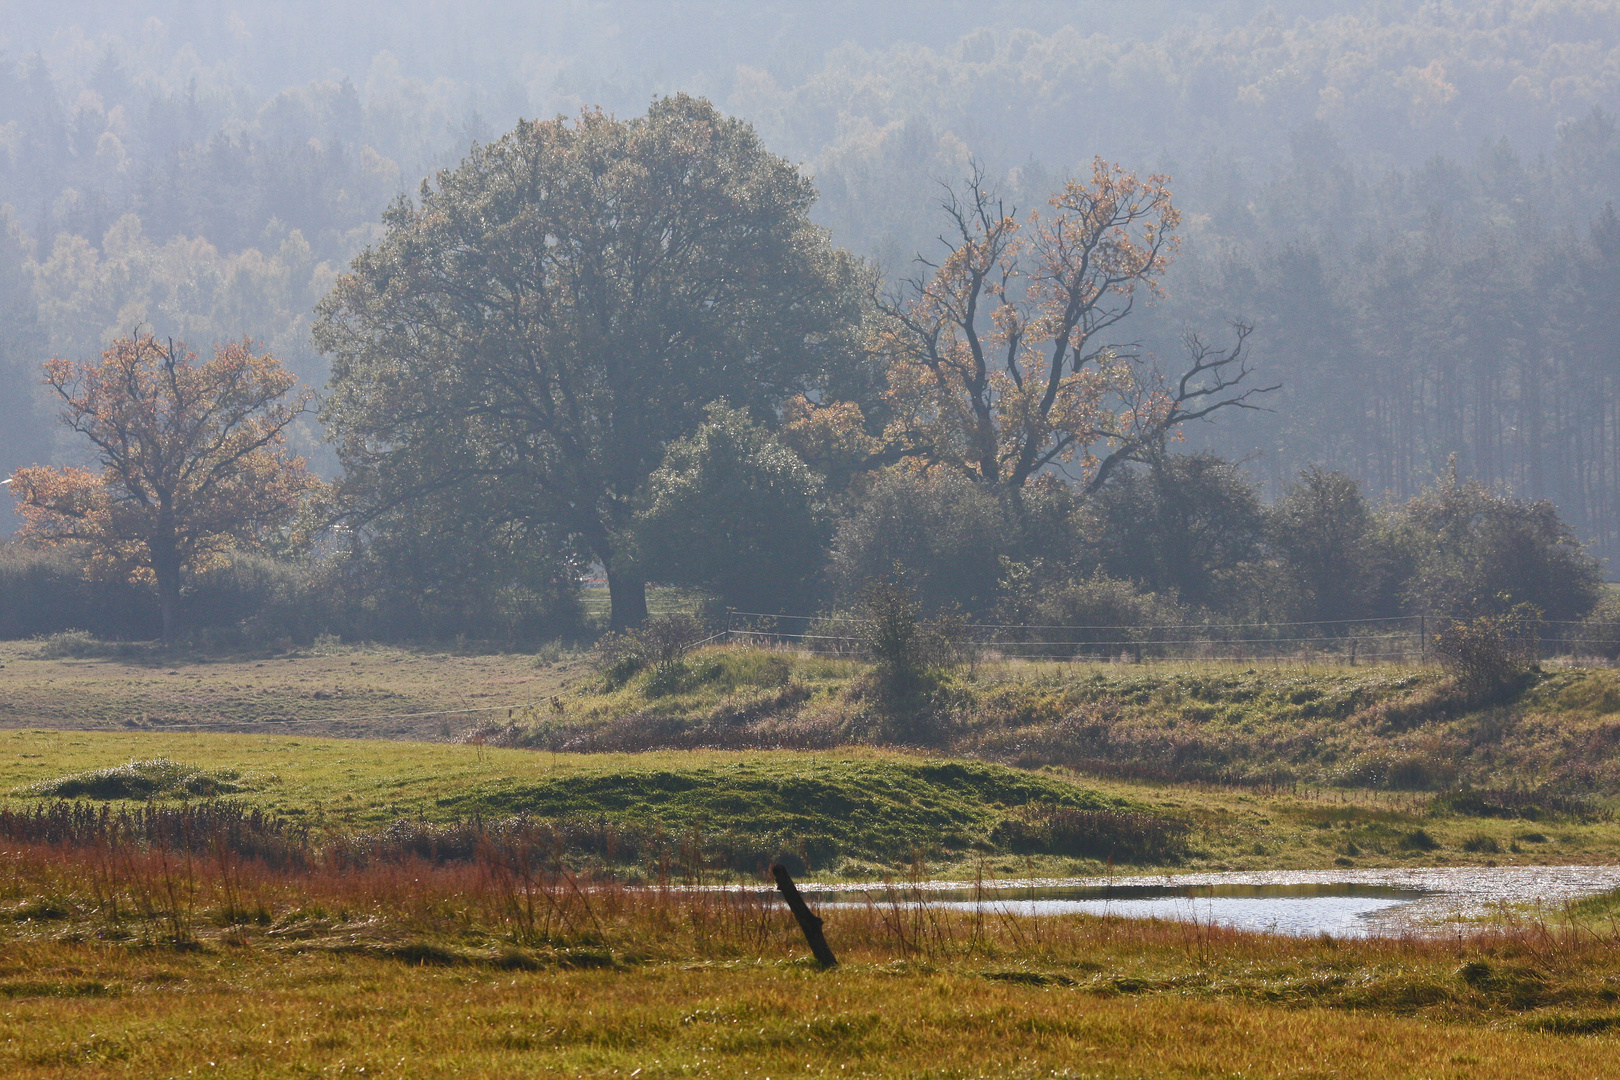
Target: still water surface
<point x="1343" y="904"/>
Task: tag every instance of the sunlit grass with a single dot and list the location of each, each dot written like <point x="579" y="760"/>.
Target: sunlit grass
<point x="406" y="968"/>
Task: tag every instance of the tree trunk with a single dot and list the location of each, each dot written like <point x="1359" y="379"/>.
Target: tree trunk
<point x="166" y="568"/>
<point x="627" y="598"/>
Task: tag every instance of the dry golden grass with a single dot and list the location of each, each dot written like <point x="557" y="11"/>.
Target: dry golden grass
<point x="129" y="960"/>
<point x="247" y="1015"/>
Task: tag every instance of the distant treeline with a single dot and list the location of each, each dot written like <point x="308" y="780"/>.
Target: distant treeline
<point x="1410" y="204"/>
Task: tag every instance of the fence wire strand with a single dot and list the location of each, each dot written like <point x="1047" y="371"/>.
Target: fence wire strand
<point x="1405" y="639"/>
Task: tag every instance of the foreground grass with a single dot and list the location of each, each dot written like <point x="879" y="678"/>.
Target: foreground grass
<point x="151" y="964"/>
<point x="88" y="1011"/>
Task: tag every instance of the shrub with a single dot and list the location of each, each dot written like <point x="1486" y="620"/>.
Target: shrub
<point x="1466" y="542"/>
<point x="1418" y="840"/>
<point x="265" y="600"/>
<point x="1096" y="614"/>
<point x="659" y="643"/>
<point x="1599" y="633"/>
<point x="1490" y="652"/>
<point x="945" y="532"/>
<point x="48" y="590"/>
<point x="75" y="644"/>
<point x="905" y="649"/>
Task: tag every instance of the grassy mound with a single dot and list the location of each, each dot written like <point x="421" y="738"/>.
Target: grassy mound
<point x="853" y="810"/>
<point x="823" y="809"/>
<point x="151" y="779"/>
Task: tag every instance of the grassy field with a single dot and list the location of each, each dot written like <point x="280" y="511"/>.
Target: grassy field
<point x="351" y="691"/>
<point x="124" y="959"/>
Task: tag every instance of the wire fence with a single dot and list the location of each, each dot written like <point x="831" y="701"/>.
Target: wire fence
<point x="1406" y="639"/>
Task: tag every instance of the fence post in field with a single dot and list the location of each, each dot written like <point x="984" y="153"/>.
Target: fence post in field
<point x="809" y="921"/>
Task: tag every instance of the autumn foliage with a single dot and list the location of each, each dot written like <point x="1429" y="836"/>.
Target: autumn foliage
<point x="192" y="460"/>
<point x="1002" y="359"/>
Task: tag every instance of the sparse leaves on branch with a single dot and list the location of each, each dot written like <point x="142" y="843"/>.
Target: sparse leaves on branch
<point x="1003" y="358"/>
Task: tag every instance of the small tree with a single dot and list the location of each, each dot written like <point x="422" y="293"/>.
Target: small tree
<point x="1324" y="530"/>
<point x="907" y="651"/>
<point x="193" y="460"/>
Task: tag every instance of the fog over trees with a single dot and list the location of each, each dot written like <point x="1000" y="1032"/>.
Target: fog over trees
<point x="1410" y="204"/>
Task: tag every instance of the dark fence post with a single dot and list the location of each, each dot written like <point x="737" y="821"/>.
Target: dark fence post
<point x="809" y="921"/>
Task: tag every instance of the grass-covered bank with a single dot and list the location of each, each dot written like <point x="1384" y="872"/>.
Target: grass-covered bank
<point x="849" y="812"/>
<point x="759" y="753"/>
<point x="1390" y="728"/>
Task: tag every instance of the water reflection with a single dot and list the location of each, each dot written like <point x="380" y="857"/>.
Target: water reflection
<point x="1341" y="910"/>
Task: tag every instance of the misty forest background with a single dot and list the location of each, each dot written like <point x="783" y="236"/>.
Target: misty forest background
<point x="1412" y="203"/>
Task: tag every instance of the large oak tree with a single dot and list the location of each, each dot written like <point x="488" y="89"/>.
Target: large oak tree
<point x="529" y="336"/>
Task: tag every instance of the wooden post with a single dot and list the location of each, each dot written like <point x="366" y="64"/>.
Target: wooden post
<point x="809" y="921"/>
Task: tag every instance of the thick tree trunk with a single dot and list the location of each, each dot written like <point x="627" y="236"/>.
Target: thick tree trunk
<point x="166" y="568"/>
<point x="627" y="598"/>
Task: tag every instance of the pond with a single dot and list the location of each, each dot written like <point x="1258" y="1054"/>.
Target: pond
<point x="1355" y="903"/>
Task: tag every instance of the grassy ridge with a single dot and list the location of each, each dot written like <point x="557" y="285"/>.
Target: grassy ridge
<point x="871" y="808"/>
<point x="1380" y="727"/>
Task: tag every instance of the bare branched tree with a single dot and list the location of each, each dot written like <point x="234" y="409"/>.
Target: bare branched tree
<point x="1002" y="357"/>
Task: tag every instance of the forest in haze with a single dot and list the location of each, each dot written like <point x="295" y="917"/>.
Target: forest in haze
<point x="1410" y="204"/>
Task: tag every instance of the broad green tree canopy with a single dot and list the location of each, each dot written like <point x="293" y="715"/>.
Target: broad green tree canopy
<point x="537" y="328"/>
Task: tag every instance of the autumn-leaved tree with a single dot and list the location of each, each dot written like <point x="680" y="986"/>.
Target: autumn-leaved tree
<point x="1003" y="357"/>
<point x="192" y="459"/>
<point x="527" y="339"/>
